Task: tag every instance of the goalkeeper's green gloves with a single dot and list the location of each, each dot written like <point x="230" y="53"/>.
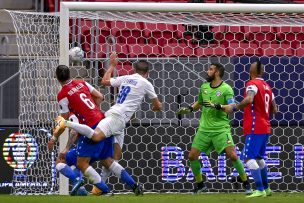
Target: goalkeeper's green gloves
<point x="184" y="110"/>
<point x="211" y="105"/>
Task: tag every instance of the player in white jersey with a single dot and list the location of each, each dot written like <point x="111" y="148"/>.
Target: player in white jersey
<point x="132" y="90"/>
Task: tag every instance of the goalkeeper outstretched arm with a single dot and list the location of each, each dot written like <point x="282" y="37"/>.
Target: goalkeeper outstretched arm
<point x="189" y="109"/>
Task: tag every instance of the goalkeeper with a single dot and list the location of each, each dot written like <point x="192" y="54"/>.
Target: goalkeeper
<point x="214" y="130"/>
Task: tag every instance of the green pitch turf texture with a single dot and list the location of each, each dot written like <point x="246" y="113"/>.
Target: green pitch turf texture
<point x="158" y="198"/>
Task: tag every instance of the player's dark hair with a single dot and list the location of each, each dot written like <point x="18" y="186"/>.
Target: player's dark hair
<point x="62" y="73"/>
<point x="220" y="68"/>
<point x="141" y="67"/>
<point x="259" y="67"/>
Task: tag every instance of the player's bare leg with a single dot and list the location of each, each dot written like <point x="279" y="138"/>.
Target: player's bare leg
<point x="238" y="165"/>
<point x="117" y="152"/>
<point x="196" y="169"/>
<point x="98" y="135"/>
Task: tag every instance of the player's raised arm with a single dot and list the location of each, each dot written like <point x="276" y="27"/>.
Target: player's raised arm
<point x="107" y="76"/>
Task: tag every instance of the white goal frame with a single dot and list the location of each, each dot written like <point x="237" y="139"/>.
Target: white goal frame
<point x="66" y="7"/>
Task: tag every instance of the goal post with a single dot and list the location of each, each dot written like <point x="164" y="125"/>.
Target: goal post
<point x="156" y="144"/>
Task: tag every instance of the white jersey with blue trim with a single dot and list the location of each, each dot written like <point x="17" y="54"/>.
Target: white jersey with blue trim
<point x="132" y="90"/>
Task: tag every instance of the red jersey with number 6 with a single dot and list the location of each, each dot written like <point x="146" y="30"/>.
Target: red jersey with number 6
<point x="75" y="97"/>
<point x="256" y="115"/>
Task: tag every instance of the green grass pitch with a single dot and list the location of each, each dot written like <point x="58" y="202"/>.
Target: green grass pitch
<point x="158" y="198"/>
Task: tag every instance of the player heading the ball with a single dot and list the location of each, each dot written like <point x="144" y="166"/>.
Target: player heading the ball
<point x="132" y="90"/>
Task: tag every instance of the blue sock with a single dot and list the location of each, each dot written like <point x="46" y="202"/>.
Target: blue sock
<point x="78" y="173"/>
<point x="103" y="186"/>
<point x="256" y="174"/>
<point x="68" y="172"/>
<point x="264" y="177"/>
<point x="125" y="177"/>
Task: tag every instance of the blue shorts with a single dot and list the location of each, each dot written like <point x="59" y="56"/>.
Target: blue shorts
<point x="71" y="157"/>
<point x="95" y="150"/>
<point x="255" y="146"/>
<point x="103" y="150"/>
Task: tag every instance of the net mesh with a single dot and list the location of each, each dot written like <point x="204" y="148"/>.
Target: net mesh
<point x="38" y="46"/>
<point x="180" y="47"/>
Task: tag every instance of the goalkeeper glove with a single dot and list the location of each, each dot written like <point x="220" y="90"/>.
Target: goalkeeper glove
<point x="184" y="110"/>
<point x="211" y="105"/>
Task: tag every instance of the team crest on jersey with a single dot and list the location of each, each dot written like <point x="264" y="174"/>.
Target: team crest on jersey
<point x="228" y="141"/>
<point x="218" y="93"/>
<point x="205" y="91"/>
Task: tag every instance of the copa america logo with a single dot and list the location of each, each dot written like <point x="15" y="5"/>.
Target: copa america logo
<point x="20" y="151"/>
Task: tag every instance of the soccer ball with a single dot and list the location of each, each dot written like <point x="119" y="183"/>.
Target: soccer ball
<point x="76" y="54"/>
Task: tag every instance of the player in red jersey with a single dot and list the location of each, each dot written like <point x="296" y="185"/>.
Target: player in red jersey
<point x="80" y="98"/>
<point x="258" y="103"/>
<point x="83" y="100"/>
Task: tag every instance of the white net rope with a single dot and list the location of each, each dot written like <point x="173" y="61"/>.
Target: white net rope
<point x="38" y="46"/>
<point x="180" y="47"/>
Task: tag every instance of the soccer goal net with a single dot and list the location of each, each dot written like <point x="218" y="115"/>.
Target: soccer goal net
<point x="180" y="41"/>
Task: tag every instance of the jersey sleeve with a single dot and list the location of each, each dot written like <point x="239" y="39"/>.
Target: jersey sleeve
<point x="229" y="95"/>
<point x="116" y="82"/>
<point x="251" y="87"/>
<point x="200" y="96"/>
<point x="150" y="91"/>
<point x="64" y="105"/>
<point x="91" y="88"/>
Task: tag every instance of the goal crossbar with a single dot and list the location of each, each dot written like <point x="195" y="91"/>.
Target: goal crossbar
<point x="183" y="7"/>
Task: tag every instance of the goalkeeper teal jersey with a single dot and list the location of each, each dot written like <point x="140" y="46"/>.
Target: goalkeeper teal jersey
<point x="213" y="120"/>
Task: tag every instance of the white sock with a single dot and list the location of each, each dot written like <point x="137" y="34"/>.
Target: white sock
<point x="92" y="175"/>
<point x="105" y="173"/>
<point x="81" y="128"/>
<point x="252" y="164"/>
<point x="116" y="168"/>
<point x="60" y="166"/>
<point x="261" y="163"/>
